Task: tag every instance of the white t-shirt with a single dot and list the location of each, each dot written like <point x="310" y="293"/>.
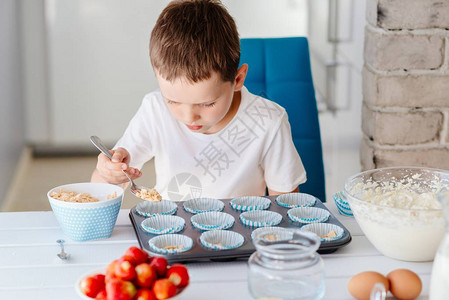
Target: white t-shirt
<point x="253" y="151"/>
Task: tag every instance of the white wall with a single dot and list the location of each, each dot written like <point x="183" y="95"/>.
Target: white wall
<point x="95" y="66"/>
<point x="12" y="136"/>
<point x="341" y="132"/>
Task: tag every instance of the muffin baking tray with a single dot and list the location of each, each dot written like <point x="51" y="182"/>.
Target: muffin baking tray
<point x="197" y="251"/>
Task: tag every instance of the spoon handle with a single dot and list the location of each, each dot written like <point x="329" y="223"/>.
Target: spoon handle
<point x="100" y="146"/>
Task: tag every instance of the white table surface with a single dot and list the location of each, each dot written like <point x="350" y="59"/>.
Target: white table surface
<point x="30" y="269"/>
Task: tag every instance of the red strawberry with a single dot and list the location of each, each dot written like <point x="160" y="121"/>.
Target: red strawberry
<point x="124" y="270"/>
<point x="159" y="264"/>
<point x="145" y="294"/>
<point x="136" y="255"/>
<point x="110" y="270"/>
<point x="101" y="295"/>
<point x="117" y="289"/>
<point x="146" y="275"/>
<point x="178" y="274"/>
<point x="164" y="289"/>
<point x="92" y="285"/>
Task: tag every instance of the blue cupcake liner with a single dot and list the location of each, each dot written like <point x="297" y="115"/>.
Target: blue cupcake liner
<point x="221" y="239"/>
<point x="342" y="205"/>
<point x="170" y="243"/>
<point x="260" y="218"/>
<point x="163" y="224"/>
<point x="323" y="229"/>
<point x="295" y="200"/>
<point x="212" y="220"/>
<point x="200" y="205"/>
<point x="308" y="214"/>
<point x="272" y="234"/>
<point x="153" y="208"/>
<point x="248" y="203"/>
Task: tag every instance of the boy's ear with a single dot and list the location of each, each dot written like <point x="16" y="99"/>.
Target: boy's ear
<point x="240" y="77"/>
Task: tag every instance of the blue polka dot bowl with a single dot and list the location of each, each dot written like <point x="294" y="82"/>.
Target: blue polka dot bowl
<point x="153" y="208"/>
<point x="83" y="221"/>
<point x="248" y="203"/>
<point x="272" y="234"/>
<point x="163" y="224"/>
<point x="200" y="205"/>
<point x="308" y="214"/>
<point x="170" y="243"/>
<point x="295" y="200"/>
<point x="260" y="218"/>
<point x="212" y="220"/>
<point x="221" y="239"/>
<point x="325" y="231"/>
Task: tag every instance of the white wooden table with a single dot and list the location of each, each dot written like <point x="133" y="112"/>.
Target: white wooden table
<point x="30" y="269"/>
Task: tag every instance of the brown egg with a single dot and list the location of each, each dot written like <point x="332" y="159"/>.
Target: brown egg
<point x="360" y="285"/>
<point x="404" y="284"/>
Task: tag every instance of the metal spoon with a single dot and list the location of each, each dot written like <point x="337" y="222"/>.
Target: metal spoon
<point x="62" y="255"/>
<point x="135" y="189"/>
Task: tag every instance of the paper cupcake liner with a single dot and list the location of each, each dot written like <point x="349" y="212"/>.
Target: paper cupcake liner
<point x="170" y="243"/>
<point x="250" y="203"/>
<point x="200" y="205"/>
<point x="295" y="200"/>
<point x="325" y="231"/>
<point x="149" y="208"/>
<point x="308" y="214"/>
<point x="221" y="239"/>
<point x="342" y="205"/>
<point x="163" y="224"/>
<point x="260" y="218"/>
<point x="212" y="220"/>
<point x="272" y="234"/>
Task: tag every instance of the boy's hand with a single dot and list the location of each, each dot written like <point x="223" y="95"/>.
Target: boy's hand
<point x="111" y="170"/>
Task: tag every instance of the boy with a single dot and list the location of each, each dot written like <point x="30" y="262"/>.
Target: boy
<point x="209" y="136"/>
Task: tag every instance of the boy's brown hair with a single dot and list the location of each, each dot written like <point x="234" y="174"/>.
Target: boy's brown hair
<point x="191" y="38"/>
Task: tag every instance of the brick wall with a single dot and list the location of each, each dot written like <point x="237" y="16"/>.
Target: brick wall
<point x="406" y="84"/>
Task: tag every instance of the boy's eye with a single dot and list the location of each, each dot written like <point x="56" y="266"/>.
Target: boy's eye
<point x="172" y="102"/>
<point x="209" y="104"/>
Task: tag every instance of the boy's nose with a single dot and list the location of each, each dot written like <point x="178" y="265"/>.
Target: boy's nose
<point x="191" y="116"/>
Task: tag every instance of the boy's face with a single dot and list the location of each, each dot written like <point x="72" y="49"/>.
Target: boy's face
<point x="206" y="106"/>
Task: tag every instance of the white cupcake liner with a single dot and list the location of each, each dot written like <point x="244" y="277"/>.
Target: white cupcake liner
<point x="295" y="200"/>
<point x="308" y="214"/>
<point x="152" y="208"/>
<point x="324" y="229"/>
<point x="342" y="205"/>
<point x="260" y="218"/>
<point x="221" y="239"/>
<point x="248" y="203"/>
<point x="272" y="234"/>
<point x="163" y="224"/>
<point x="212" y="220"/>
<point x="200" y="205"/>
<point x="170" y="243"/>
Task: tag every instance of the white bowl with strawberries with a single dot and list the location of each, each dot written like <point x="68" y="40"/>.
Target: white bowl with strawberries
<point x="134" y="276"/>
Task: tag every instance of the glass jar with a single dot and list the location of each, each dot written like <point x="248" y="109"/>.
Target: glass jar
<point x="287" y="269"/>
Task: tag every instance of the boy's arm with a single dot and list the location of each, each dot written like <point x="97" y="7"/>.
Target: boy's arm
<point x="273" y="193"/>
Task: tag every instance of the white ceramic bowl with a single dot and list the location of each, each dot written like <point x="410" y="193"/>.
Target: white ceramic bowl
<point x="88" y="220"/>
<point x="397" y="227"/>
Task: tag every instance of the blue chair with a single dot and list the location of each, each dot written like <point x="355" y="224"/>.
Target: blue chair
<point x="279" y="69"/>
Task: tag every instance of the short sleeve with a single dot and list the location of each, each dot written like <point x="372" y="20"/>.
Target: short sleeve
<point x="283" y="168"/>
<point x="139" y="134"/>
